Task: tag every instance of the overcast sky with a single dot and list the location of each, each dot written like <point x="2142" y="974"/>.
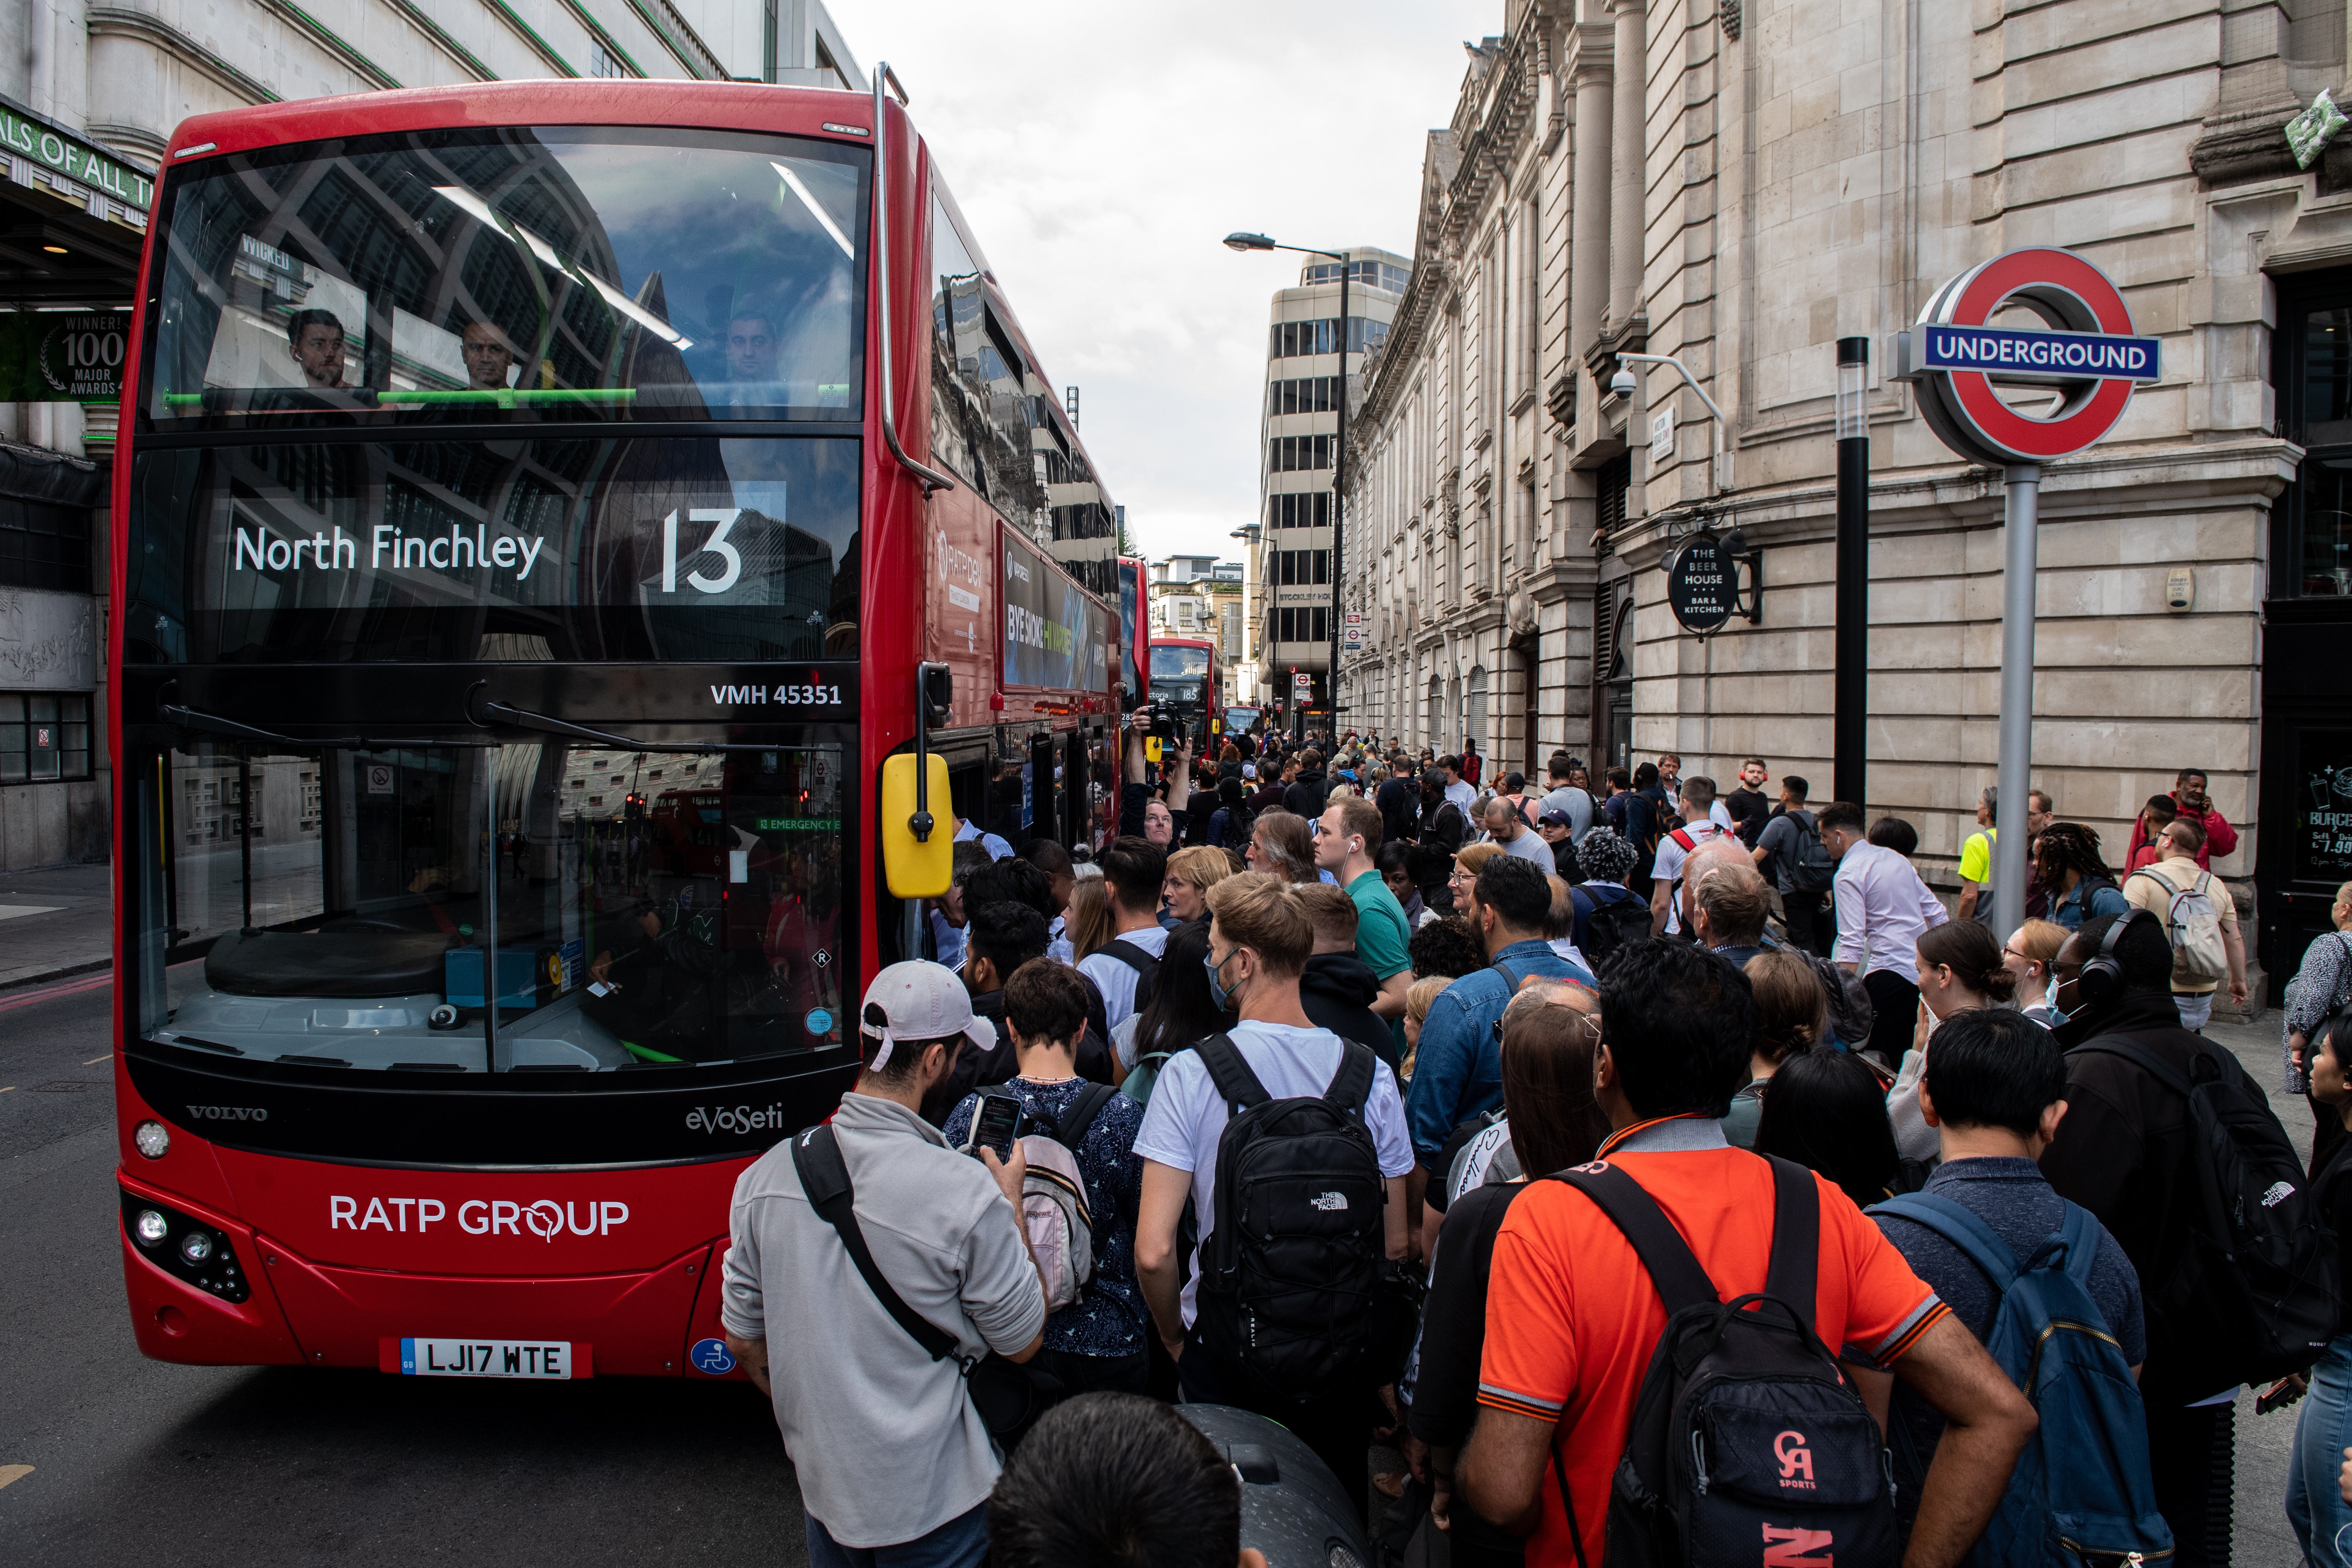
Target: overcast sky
<point x="1100" y="151"/>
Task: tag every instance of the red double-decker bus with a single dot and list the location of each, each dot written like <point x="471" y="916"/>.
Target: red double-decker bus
<point x="566" y="610"/>
<point x="1188" y="678"/>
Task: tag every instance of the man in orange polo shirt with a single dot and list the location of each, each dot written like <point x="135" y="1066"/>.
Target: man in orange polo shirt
<point x="1572" y="1318"/>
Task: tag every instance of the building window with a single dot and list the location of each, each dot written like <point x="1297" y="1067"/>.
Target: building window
<point x="1308" y="394"/>
<point x="44" y="736"/>
<point x="1298" y="454"/>
<point x="1612" y="483"/>
<point x="1292" y="338"/>
<point x="44" y="546"/>
<point x="1307" y="623"/>
<point x="1309" y="510"/>
<point x="602" y="63"/>
<point x="2312" y="539"/>
<point x="1298" y="568"/>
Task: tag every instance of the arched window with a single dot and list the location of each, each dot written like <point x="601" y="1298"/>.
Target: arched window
<point x="1437" y="712"/>
<point x="1473" y="717"/>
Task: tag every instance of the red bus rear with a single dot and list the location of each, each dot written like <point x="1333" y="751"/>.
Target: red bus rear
<point x="1186" y="678"/>
<point x="529" y="535"/>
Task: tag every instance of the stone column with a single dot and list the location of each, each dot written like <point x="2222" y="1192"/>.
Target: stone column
<point x="1626" y="148"/>
<point x="1589" y="194"/>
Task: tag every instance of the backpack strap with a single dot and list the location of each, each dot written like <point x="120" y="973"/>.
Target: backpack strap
<point x="1682" y="836"/>
<point x="1792" y="1275"/>
<point x="1238" y="1087"/>
<point x="1510" y="976"/>
<point x="1071" y="1129"/>
<point x="1674" y="1268"/>
<point x="824" y="1179"/>
<point x="1134" y="957"/>
<point x="2081" y="1234"/>
<point x="1351" y="1086"/>
<point x="1963" y="1229"/>
<point x="2145" y="1057"/>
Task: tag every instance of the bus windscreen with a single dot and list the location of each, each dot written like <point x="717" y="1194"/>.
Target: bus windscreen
<point x="510" y="274"/>
<point x="1174" y="661"/>
<point x="644" y="547"/>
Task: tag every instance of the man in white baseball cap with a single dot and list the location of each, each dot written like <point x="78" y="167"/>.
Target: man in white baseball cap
<point x="854" y="1394"/>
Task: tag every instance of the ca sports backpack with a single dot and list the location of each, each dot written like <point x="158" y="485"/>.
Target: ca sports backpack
<point x="1747" y="1445"/>
<point x="2193" y="925"/>
<point x="1619" y="919"/>
<point x="2083" y="1487"/>
<point x="1291" y="1266"/>
<point x="1062" y="1232"/>
<point x="2251" y="1295"/>
<point x="1812" y="866"/>
<point x="1146" y="967"/>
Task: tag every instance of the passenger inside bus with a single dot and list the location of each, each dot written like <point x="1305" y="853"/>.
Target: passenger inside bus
<point x="490" y="356"/>
<point x="315" y="341"/>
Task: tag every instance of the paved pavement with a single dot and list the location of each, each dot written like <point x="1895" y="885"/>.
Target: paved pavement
<point x="2260" y="1536"/>
<point x="66" y="926"/>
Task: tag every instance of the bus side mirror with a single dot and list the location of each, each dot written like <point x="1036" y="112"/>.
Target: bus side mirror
<point x="914" y="868"/>
<point x="938" y="692"/>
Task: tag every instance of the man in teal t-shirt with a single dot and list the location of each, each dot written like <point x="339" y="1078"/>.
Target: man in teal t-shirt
<point x="1347" y="836"/>
<point x="1976" y="866"/>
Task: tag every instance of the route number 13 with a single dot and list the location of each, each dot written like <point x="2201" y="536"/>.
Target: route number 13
<point x="724" y="516"/>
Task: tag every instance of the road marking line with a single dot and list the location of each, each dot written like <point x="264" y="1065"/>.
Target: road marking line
<point x="109" y="1056"/>
<point x="52" y="992"/>
<point x="14" y="1473"/>
<point x="10" y="1089"/>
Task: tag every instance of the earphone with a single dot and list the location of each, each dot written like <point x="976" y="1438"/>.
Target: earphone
<point x="2101" y="979"/>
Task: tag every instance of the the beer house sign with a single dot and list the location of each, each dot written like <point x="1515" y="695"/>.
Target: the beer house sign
<point x="1701" y="585"/>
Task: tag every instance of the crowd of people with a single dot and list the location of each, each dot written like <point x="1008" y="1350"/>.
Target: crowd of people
<point x="1411" y="1108"/>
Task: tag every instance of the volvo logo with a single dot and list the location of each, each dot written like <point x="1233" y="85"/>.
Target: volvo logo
<point x="230" y="1113"/>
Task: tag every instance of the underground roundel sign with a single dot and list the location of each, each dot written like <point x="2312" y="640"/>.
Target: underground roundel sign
<point x="2004" y="394"/>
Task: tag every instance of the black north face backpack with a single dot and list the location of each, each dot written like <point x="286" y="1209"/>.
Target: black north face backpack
<point x="1746" y="1445"/>
<point x="1290" y="1274"/>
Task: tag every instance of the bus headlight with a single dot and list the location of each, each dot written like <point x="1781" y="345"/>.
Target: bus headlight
<point x="196" y="1246"/>
<point x="152" y="1227"/>
<point x="151" y="1139"/>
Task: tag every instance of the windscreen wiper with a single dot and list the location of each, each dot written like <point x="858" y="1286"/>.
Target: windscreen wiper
<point x="523" y="718"/>
<point x="196" y="719"/>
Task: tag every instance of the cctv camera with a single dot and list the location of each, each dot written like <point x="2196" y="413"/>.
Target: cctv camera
<point x="1621" y="383"/>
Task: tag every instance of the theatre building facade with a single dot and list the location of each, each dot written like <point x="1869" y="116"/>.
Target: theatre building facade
<point x="1738" y="186"/>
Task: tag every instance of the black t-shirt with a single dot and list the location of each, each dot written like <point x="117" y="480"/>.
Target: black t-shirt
<point x="1748" y="810"/>
<point x="1453" y="1317"/>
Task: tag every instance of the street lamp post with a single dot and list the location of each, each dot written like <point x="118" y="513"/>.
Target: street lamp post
<point x="1238" y="241"/>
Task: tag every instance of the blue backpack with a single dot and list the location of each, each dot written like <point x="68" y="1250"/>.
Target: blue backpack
<point x="2082" y="1489"/>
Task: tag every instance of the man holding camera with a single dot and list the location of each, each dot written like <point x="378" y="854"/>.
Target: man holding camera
<point x="858" y="1397"/>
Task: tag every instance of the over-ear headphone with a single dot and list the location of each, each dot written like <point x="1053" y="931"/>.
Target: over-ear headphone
<point x="2101" y="979"/>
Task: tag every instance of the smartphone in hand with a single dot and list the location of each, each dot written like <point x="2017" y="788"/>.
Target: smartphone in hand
<point x="999" y="1120"/>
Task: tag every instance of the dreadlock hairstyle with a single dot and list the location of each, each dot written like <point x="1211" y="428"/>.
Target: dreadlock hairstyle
<point x="2066" y="846"/>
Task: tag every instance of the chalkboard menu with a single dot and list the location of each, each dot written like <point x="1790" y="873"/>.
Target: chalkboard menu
<point x="2323" y="806"/>
<point x="1701" y="585"/>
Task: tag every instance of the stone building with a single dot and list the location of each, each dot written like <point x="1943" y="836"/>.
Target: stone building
<point x="88" y="95"/>
<point x="1740" y="183"/>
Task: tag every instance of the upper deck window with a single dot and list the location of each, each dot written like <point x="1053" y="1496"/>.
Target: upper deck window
<point x="1174" y="661"/>
<point x="548" y="273"/>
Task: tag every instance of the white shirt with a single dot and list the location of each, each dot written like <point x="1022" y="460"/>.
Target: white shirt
<point x="1721" y="816"/>
<point x="1671" y="856"/>
<point x="1461" y="795"/>
<point x="1115" y="978"/>
<point x="1576" y="804"/>
<point x="1529" y="845"/>
<point x="997" y="849"/>
<point x="1883" y="909"/>
<point x="1187" y="1116"/>
<point x="1057" y="943"/>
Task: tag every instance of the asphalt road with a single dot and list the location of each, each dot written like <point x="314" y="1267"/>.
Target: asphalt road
<point x="132" y="1460"/>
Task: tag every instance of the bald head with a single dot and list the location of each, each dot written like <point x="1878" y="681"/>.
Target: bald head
<point x="1714" y="855"/>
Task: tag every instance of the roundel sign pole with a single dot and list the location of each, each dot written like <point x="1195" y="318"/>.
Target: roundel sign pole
<point x="2015" y="398"/>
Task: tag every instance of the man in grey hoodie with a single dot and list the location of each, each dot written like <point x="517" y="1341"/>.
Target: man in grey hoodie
<point x="854" y="1395"/>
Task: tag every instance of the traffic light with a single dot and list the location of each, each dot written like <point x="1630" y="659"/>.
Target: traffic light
<point x="634" y="808"/>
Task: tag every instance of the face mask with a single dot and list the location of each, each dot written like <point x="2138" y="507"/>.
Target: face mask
<point x="1217" y="992"/>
